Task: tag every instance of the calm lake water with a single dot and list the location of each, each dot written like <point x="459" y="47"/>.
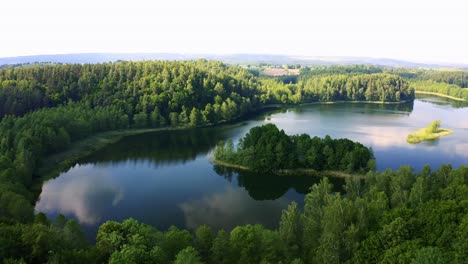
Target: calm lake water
<point x="166" y="178"/>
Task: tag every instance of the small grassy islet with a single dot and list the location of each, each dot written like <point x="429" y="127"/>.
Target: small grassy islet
<point x="431" y="132"/>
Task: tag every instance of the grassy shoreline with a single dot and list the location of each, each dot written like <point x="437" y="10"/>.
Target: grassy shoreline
<point x="441" y="95"/>
<point x="293" y="172"/>
<point x="422" y="135"/>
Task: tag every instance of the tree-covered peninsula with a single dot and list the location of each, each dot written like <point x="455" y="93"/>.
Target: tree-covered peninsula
<point x="268" y="149"/>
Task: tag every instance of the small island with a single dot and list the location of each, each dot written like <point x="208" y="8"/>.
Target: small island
<point x="266" y="149"/>
<point x="431" y="132"/>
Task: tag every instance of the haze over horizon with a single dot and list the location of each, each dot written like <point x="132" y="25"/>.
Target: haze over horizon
<point x="419" y="31"/>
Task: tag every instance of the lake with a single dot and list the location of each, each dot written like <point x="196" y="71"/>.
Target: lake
<point x="166" y="178"/>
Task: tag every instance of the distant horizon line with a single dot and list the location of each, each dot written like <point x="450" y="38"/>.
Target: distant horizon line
<point x="323" y="58"/>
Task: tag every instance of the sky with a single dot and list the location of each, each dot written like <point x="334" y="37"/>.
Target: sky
<point x="421" y="31"/>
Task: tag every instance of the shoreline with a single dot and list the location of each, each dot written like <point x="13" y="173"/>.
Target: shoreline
<point x="441" y="95"/>
<point x="293" y="172"/>
<point x="56" y="163"/>
<point x="332" y="102"/>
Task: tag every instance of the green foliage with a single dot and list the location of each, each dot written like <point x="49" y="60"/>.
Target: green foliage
<point x="187" y="256"/>
<point x="429" y="255"/>
<point x="196" y="118"/>
<point x="175" y="240"/>
<point x="135" y="254"/>
<point x="291" y="230"/>
<point x="455" y="77"/>
<point x="41" y="241"/>
<point x="453" y="90"/>
<point x="135" y="86"/>
<point x="221" y="251"/>
<point x="315" y="71"/>
<point x="203" y="241"/>
<point x="433" y="127"/>
<point x="329" y="87"/>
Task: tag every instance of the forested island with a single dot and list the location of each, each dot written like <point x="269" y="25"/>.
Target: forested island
<point x="266" y="149"/>
<point x="431" y="132"/>
<point x="391" y="216"/>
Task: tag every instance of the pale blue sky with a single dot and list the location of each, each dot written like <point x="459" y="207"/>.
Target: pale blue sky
<point x="430" y="31"/>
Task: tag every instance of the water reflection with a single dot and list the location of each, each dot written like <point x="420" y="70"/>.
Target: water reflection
<point x="164" y="148"/>
<point x="263" y="187"/>
<point x="361" y="108"/>
<point x="231" y="207"/>
<point x="87" y="195"/>
<point x="442" y="101"/>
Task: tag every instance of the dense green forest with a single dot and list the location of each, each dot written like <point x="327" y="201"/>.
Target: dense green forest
<point x="216" y="91"/>
<point x="314" y="71"/>
<point x="391" y="217"/>
<point x="448" y="82"/>
<point x="268" y="149"/>
<point x="381" y="87"/>
<point x="45" y="108"/>
<point x="134" y="87"/>
<point x="443" y="81"/>
<point x="459" y="78"/>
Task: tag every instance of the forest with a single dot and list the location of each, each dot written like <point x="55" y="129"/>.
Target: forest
<point x="442" y="88"/>
<point x="391" y="217"/>
<point x="48" y="107"/>
<point x="44" y="108"/>
<point x="266" y="149"/>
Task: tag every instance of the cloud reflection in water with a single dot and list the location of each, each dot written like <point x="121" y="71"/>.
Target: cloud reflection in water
<point x="230" y="208"/>
<point x="84" y="192"/>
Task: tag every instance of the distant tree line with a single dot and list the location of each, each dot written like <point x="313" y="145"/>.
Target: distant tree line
<point x="314" y="71"/>
<point x="268" y="149"/>
<point x="442" y="88"/>
<point x="459" y="78"/>
<point x="364" y="87"/>
<point x="448" y="82"/>
<point x="435" y="80"/>
<point x="381" y="87"/>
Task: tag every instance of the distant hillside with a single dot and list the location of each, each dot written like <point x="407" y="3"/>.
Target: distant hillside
<point x="250" y="59"/>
